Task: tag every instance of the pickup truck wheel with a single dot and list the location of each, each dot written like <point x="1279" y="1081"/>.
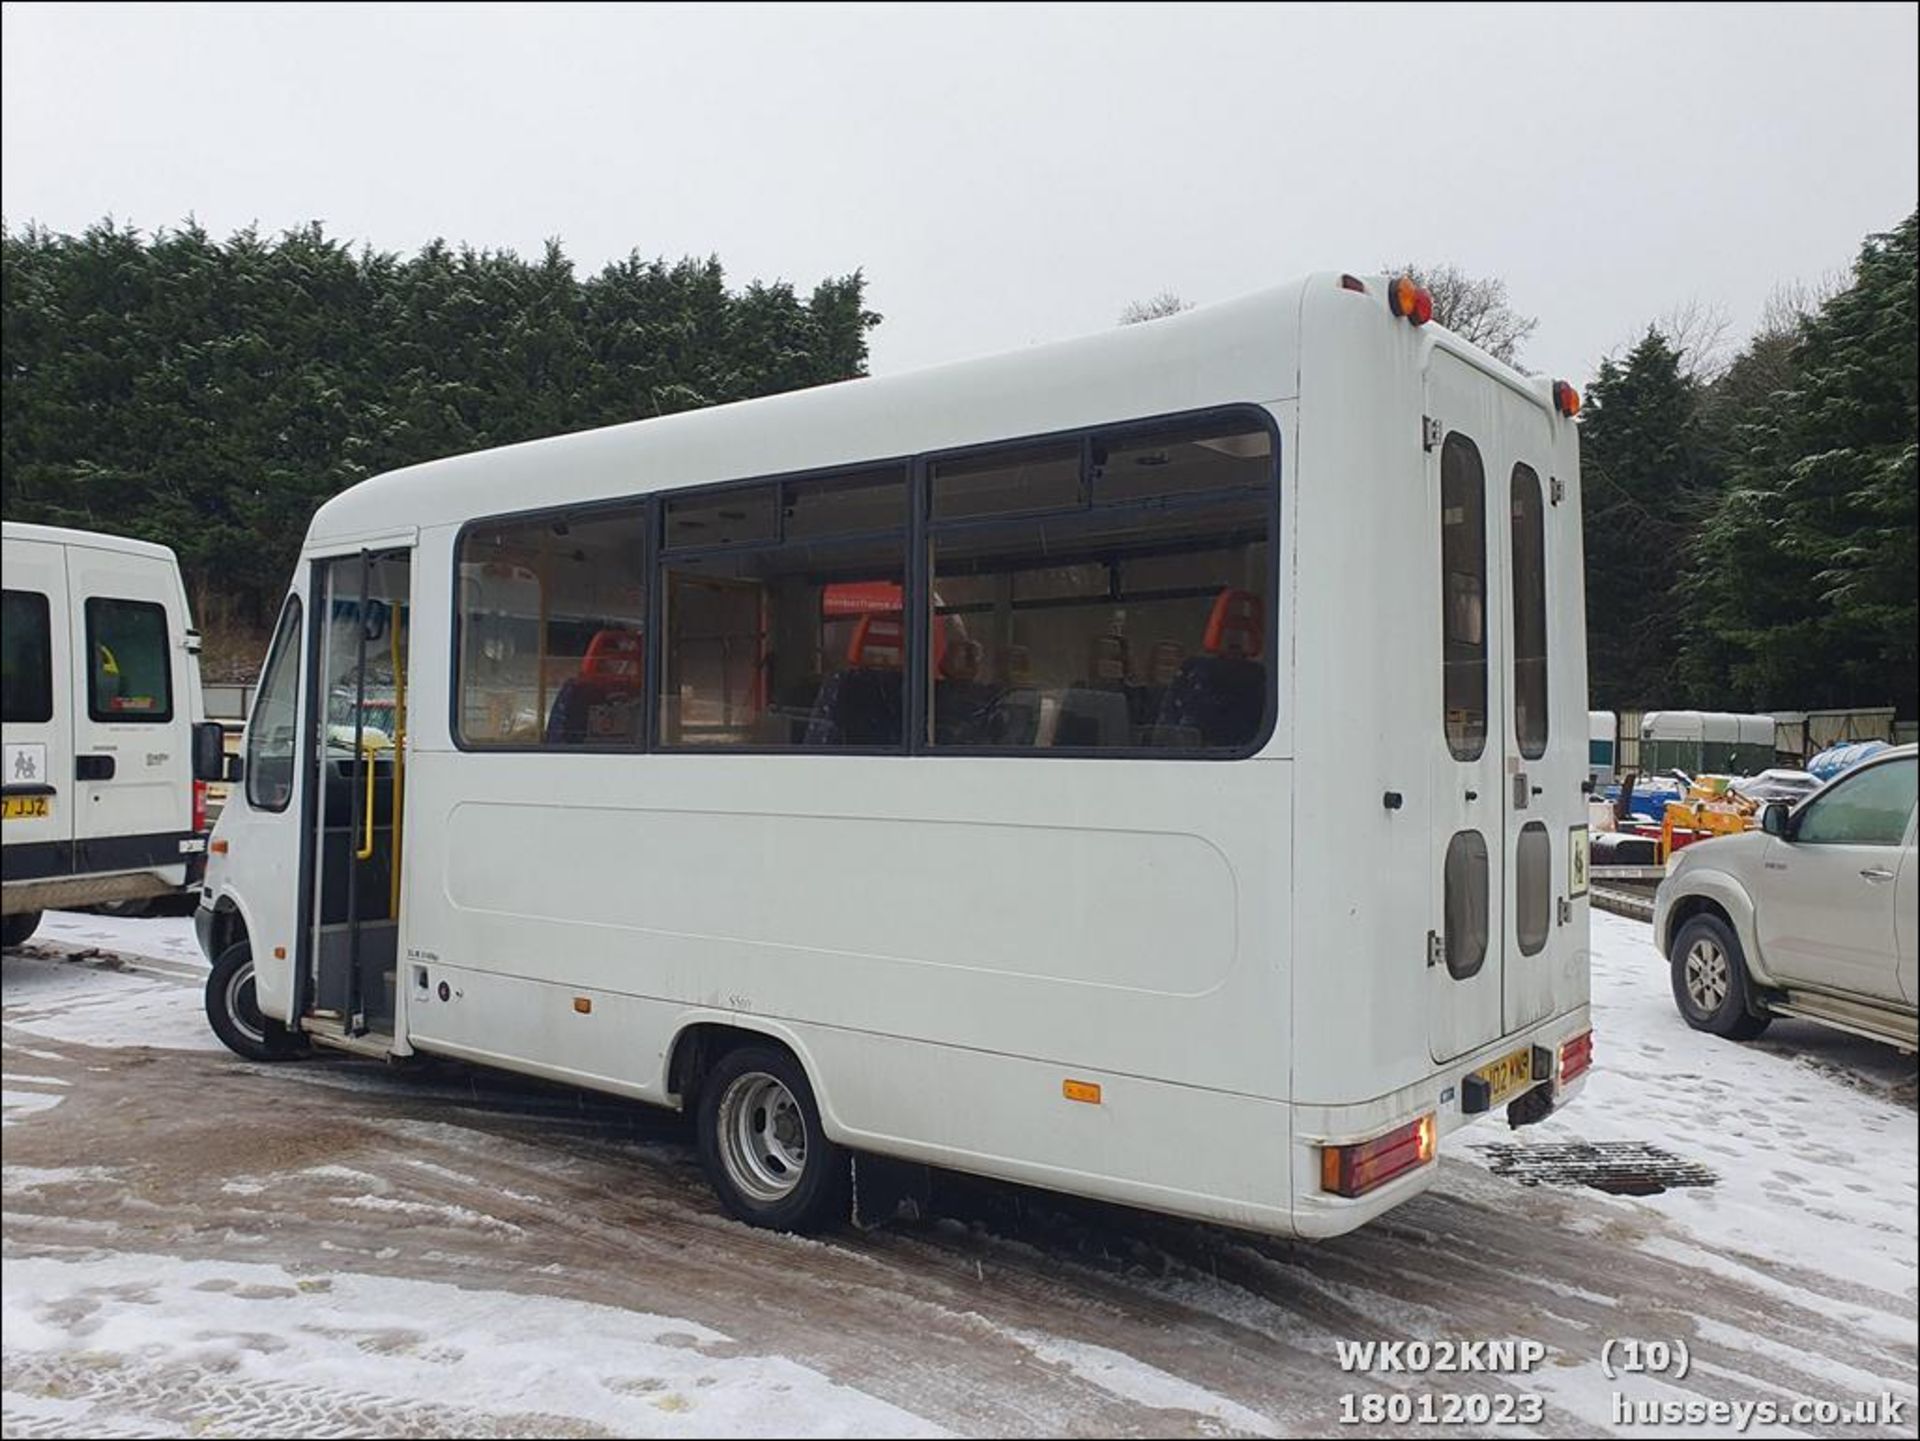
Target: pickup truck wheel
<point x="1710" y="981"/>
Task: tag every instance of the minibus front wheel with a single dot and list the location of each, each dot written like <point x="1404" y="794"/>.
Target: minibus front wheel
<point x="235" y="1015"/>
<point x="762" y="1145"/>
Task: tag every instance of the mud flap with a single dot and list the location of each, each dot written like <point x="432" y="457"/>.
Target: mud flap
<point x="886" y="1190"/>
<point x="1536" y="1105"/>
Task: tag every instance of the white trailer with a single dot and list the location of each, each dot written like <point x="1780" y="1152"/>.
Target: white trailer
<point x="1705" y="742"/>
<point x="1149" y="766"/>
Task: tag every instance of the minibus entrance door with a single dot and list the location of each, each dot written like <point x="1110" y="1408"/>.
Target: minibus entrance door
<point x="360" y="672"/>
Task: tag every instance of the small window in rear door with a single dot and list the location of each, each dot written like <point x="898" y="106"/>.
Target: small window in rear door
<point x="1466" y="904"/>
<point x="129" y="663"/>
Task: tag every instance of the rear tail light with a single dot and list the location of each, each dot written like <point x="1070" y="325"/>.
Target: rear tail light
<point x="199" y="805"/>
<point x="1357" y="1169"/>
<point x="1576" y="1056"/>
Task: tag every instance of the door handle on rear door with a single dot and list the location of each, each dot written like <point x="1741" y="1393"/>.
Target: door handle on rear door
<point x="93" y="768"/>
<point x="1877" y="873"/>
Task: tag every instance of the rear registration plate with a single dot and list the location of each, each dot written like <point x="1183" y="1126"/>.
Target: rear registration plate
<point x="1507" y="1075"/>
<point x="26" y="808"/>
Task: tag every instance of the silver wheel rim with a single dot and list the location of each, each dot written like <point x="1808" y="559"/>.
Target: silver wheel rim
<point x="763" y="1136"/>
<point x="240" y="984"/>
<point x="1709" y="978"/>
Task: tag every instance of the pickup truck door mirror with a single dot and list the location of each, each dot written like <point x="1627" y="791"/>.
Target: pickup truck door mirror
<point x="1773" y="820"/>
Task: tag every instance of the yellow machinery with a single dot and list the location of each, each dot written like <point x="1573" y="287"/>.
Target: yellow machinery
<point x="1711" y="808"/>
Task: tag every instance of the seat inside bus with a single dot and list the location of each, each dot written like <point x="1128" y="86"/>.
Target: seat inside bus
<point x="860" y="703"/>
<point x="1221" y="695"/>
<point x="1097" y="711"/>
<point x="601" y="702"/>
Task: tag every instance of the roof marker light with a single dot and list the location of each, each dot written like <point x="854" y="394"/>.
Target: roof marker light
<point x="1353" y="282"/>
<point x="1410" y="301"/>
<point x="1566" y="399"/>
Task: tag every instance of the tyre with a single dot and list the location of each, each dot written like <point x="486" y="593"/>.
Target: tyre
<point x="15" y="929"/>
<point x="235" y="1015"/>
<point x="762" y="1146"/>
<point x="1710" y="980"/>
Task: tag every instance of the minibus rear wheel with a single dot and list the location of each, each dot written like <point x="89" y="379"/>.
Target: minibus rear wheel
<point x="235" y="1014"/>
<point x="762" y="1145"/>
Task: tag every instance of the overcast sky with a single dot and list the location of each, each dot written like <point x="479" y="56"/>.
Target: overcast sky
<point x="1006" y="175"/>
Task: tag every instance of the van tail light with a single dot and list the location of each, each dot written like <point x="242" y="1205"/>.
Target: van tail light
<point x="1576" y="1056"/>
<point x="199" y="805"/>
<point x="1357" y="1169"/>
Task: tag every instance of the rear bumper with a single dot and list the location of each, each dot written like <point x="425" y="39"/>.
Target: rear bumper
<point x="101" y="856"/>
<point x="1320" y="1214"/>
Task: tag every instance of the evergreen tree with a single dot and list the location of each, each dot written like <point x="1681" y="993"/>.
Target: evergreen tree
<point x="210" y="396"/>
<point x="1647" y="477"/>
<point x="1802" y="587"/>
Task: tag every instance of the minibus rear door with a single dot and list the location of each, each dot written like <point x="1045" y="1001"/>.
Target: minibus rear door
<point x="1466" y="949"/>
<point x="132" y="744"/>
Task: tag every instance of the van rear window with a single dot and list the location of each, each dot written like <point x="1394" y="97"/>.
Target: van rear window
<point x="129" y="670"/>
<point x="26" y="659"/>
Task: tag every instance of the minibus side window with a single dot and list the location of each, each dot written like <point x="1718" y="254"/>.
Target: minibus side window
<point x="784" y="624"/>
<point x="552" y="631"/>
<point x="274" y="724"/>
<point x="1529" y="614"/>
<point x="1463" y="598"/>
<point x="130" y="665"/>
<point x="1128" y="613"/>
<point x="26" y="659"/>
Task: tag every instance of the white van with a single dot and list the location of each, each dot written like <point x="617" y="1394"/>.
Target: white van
<point x="101" y="721"/>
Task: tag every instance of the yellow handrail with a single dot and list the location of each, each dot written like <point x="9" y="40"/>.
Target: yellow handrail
<point x="364" y="851"/>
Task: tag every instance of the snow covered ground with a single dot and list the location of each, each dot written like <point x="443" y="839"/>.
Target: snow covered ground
<point x="195" y="1245"/>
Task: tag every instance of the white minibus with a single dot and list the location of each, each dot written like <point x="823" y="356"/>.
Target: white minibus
<point x="1150" y="767"/>
<point x="102" y="726"/>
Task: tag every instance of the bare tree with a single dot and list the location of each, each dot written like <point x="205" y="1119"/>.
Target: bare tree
<point x="1793" y="301"/>
<point x="1697" y="330"/>
<point x="1158" y="308"/>
<point x="1474" y="309"/>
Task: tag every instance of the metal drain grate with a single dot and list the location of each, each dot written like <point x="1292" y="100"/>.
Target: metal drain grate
<point x="1621" y="1168"/>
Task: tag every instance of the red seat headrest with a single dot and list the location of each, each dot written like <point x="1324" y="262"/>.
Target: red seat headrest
<point x="879" y="643"/>
<point x="1238" y="625"/>
<point x="613" y="655"/>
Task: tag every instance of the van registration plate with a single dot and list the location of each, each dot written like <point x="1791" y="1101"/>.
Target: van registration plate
<point x="26" y="808"/>
<point x="1507" y="1075"/>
